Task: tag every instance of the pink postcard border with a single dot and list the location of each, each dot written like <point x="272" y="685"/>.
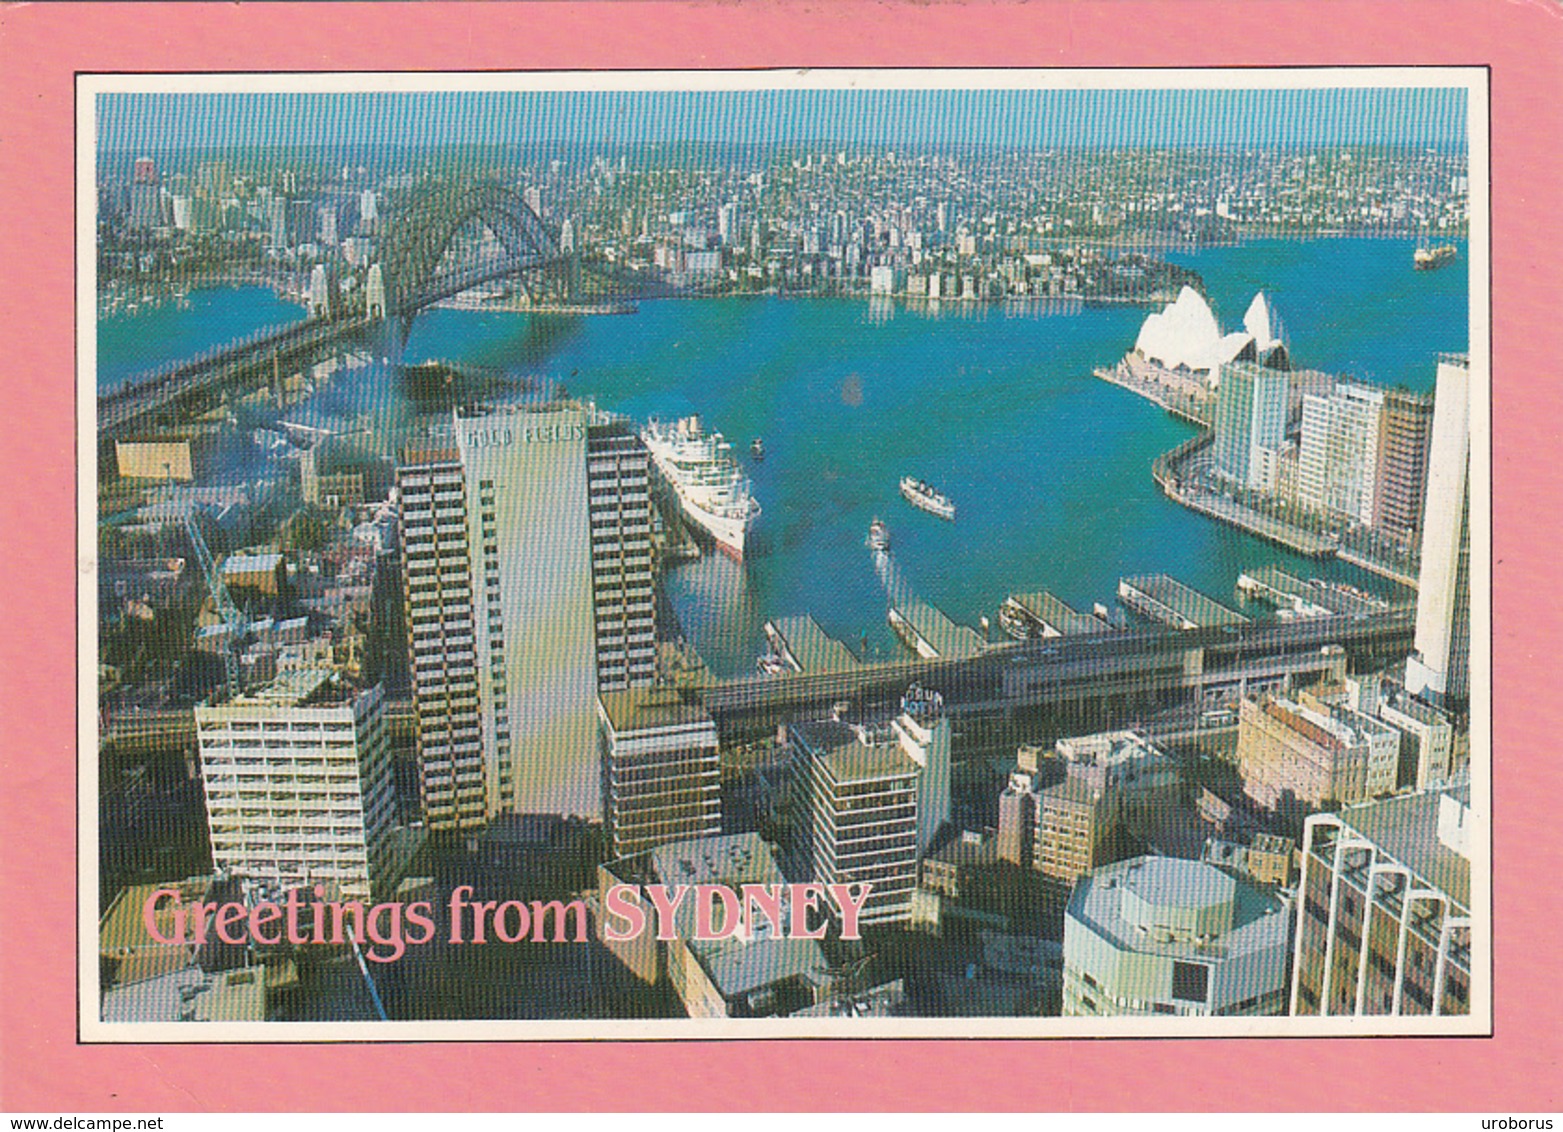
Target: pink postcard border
<point x="41" y="1065"/>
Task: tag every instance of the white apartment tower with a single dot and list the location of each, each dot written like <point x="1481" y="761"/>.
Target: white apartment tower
<point x="298" y="785"/>
<point x="1337" y="459"/>
<point x="1439" y="670"/>
<point x="529" y="586"/>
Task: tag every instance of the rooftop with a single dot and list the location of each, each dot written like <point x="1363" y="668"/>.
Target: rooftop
<point x="1169" y="906"/>
<point x="641" y="709"/>
<point x="741" y="963"/>
<point x="1406" y="827"/>
<point x="855" y="754"/>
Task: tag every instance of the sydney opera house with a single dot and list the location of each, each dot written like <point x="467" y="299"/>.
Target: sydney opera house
<point x="1185" y="344"/>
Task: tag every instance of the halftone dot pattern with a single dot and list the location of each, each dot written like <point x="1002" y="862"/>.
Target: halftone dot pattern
<point x="757" y="374"/>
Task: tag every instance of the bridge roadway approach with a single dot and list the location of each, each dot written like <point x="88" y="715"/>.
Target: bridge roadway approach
<point x="411" y="276"/>
<point x="1097" y="672"/>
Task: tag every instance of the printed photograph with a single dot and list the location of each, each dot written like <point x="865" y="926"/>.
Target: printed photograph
<point x="779" y="554"/>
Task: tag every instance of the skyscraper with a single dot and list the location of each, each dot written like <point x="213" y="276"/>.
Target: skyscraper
<point x="1338" y="456"/>
<point x="146" y="195"/>
<point x="1400" y="483"/>
<point x="662" y="775"/>
<point x="546" y="596"/>
<point x="1439" y="670"/>
<point x="1251" y="407"/>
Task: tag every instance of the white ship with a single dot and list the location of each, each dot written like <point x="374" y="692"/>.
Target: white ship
<point x="712" y="492"/>
<point x="925" y="498"/>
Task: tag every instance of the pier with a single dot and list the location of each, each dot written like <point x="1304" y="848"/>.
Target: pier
<point x="1170" y="602"/>
<point x="1300" y="598"/>
<point x="804" y="647"/>
<point x="1043" y="615"/>
<point x="921" y="627"/>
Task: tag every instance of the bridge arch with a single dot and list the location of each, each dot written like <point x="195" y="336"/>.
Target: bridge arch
<point x="411" y="252"/>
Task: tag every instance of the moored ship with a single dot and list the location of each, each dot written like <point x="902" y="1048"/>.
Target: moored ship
<point x="925" y="498"/>
<point x="712" y="493"/>
<point x="1426" y="258"/>
<point x="878" y="535"/>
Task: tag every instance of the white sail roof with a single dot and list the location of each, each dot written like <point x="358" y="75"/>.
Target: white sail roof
<point x="1185" y="335"/>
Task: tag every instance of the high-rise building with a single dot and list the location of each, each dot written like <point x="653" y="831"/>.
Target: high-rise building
<point x="1298" y="754"/>
<point x="298" y="785"/>
<point x="146" y="195"/>
<point x="1426" y="740"/>
<point x="528" y="587"/>
<point x="662" y="779"/>
<point x="1440" y="668"/>
<point x="1384" y="924"/>
<point x="1338" y="455"/>
<point x="1251" y="408"/>
<point x="1400" y="481"/>
<point x="861" y="820"/>
<point x="1163" y="935"/>
<point x="441" y="639"/>
<point x="1076" y="823"/>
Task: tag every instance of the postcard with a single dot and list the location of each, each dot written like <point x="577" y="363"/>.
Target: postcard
<point x="777" y="556"/>
<point x="771" y="554"/>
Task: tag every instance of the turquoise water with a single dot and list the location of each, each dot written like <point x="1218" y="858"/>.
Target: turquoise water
<point x="1050" y="467"/>
<point x="155" y="335"/>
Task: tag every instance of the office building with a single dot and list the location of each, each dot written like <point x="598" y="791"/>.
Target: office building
<point x="441" y="639"/>
<point x="1439" y="671"/>
<point x="530" y="579"/>
<point x="529" y="587"/>
<point x="860" y="821"/>
<point x="1384" y="924"/>
<point x="1400" y="481"/>
<point x="1338" y="454"/>
<point x="1076" y="824"/>
<point x="1426" y="740"/>
<point x="298" y="785"/>
<point x="1018" y="819"/>
<point x="1250" y="424"/>
<point x="1300" y="754"/>
<point x="1163" y="935"/>
<point x="662" y="777"/>
<point x="146" y="195"/>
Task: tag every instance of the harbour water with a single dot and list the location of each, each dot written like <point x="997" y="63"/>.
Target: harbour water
<point x="994" y="405"/>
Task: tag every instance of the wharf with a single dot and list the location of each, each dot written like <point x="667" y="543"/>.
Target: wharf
<point x="804" y="647"/>
<point x="1310" y="598"/>
<point x="1047" y="616"/>
<point x="1169" y="601"/>
<point x="923" y="629"/>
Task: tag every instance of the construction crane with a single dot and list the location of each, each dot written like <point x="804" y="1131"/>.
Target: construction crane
<point x="232" y="616"/>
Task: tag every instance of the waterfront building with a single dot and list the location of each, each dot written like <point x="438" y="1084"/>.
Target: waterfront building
<point x="1305" y="753"/>
<point x="529" y="587"/>
<point x="877" y="798"/>
<point x="1439" y="669"/>
<point x="1384" y="923"/>
<point x="1338" y="456"/>
<point x="1163" y="935"/>
<point x="1250" y="423"/>
<point x="661" y="771"/>
<point x="298" y="785"/>
<point x="1184" y="336"/>
<point x="1400" y="480"/>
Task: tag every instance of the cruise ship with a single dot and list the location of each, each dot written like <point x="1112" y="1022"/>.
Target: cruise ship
<point x="925" y="498"/>
<point x="712" y="492"/>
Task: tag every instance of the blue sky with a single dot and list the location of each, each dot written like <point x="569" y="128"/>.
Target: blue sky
<point x="1027" y="119"/>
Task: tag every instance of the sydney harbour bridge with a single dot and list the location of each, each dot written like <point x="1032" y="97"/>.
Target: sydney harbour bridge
<point x="412" y="271"/>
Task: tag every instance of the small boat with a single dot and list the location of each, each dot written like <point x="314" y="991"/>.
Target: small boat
<point x="1426" y="258"/>
<point x="757" y="449"/>
<point x="769" y="664"/>
<point x="879" y="535"/>
<point x="925" y="498"/>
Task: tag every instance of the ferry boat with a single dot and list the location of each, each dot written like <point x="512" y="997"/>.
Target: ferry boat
<point x="1426" y="258"/>
<point x="925" y="498"/>
<point x="878" y="535"/>
<point x="757" y="449"/>
<point x="712" y="493"/>
<point x="1015" y="622"/>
